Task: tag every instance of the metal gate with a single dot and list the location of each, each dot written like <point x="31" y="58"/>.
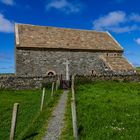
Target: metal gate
<point x="64" y="84"/>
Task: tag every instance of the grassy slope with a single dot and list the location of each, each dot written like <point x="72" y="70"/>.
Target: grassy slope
<point x="31" y="123"/>
<point x="138" y="68"/>
<point x="106" y="111"/>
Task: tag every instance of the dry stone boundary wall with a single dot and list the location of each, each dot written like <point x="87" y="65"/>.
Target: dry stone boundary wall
<point x="15" y="82"/>
<point x="109" y="77"/>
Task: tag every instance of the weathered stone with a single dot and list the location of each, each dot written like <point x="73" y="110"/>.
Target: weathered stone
<point x="16" y="82"/>
<point x="36" y="82"/>
<point x="80" y="62"/>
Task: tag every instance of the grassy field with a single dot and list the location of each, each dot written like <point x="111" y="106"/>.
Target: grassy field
<point x="31" y="124"/>
<point x="106" y="111"/>
<point x="138" y="69"/>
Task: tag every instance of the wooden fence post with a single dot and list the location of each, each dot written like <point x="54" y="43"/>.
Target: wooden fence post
<point x="42" y="99"/>
<point x="73" y="110"/>
<point x="14" y="120"/>
<point x="72" y="87"/>
<point x="52" y="92"/>
<point x="57" y="83"/>
<point x="74" y="119"/>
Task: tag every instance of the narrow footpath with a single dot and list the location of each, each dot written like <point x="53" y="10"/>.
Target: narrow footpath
<point x="56" y="123"/>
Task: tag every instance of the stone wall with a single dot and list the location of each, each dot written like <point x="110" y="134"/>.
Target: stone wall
<point x="109" y="77"/>
<point x="15" y="82"/>
<point x="38" y="62"/>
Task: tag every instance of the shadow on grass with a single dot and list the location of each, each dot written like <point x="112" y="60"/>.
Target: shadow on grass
<point x="31" y="136"/>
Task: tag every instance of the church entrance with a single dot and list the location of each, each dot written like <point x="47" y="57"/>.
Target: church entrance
<point x="65" y="79"/>
<point x="65" y="84"/>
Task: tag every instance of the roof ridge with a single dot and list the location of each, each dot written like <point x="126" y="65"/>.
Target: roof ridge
<point x="76" y="29"/>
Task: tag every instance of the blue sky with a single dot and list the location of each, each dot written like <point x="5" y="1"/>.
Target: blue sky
<point x="120" y="17"/>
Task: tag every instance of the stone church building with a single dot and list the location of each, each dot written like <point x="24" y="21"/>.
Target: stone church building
<point x="42" y="51"/>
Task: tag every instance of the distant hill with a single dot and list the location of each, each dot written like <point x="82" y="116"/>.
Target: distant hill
<point x="138" y="68"/>
<point x="7" y="74"/>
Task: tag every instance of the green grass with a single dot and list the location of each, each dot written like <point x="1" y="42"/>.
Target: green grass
<point x="106" y="111"/>
<point x="31" y="124"/>
<point x="138" y="69"/>
<point x="67" y="133"/>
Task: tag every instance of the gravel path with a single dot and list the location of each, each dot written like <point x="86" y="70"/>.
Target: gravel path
<point x="56" y="123"/>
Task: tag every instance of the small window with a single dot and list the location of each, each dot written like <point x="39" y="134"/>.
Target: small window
<point x="93" y="72"/>
<point x="51" y="73"/>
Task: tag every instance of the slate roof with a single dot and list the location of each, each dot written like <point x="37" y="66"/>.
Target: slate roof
<point x="31" y="36"/>
<point x="118" y="63"/>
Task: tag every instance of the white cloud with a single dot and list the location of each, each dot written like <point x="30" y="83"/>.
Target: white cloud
<point x="134" y="17"/>
<point x="6" y="25"/>
<point x="138" y="41"/>
<point x="118" y="22"/>
<point x="64" y="5"/>
<point x="109" y="20"/>
<point x="8" y="2"/>
<point x="123" y="29"/>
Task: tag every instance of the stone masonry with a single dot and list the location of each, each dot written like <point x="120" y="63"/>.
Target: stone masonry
<point x="39" y="62"/>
